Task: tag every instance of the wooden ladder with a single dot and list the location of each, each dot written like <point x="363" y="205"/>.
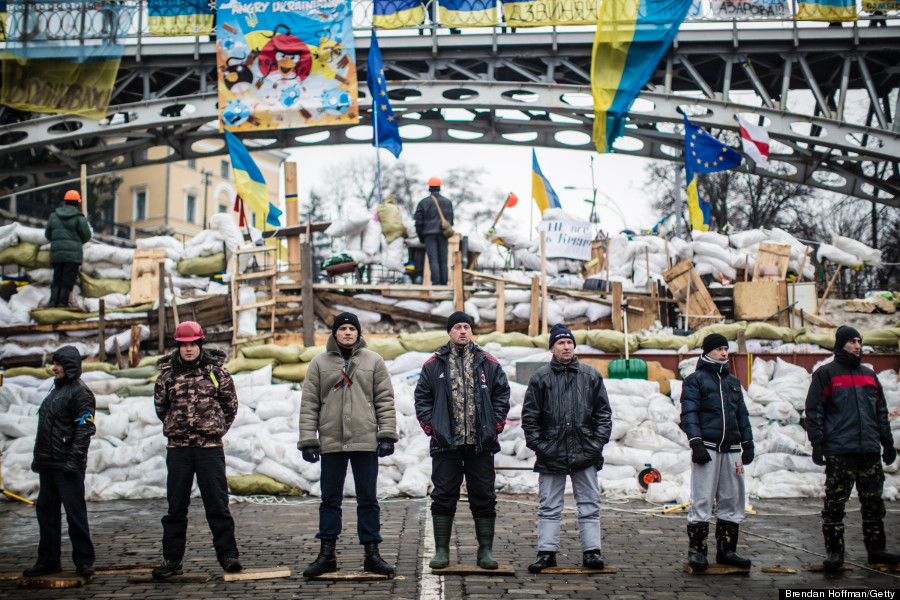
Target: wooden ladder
<point x="269" y="274"/>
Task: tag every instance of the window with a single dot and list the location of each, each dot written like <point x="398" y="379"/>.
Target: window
<point x="192" y="163"/>
<point x="108" y="210"/>
<point x="190" y="208"/>
<point x="224" y="169"/>
<point x="140" y="205"/>
<point x="223" y="208"/>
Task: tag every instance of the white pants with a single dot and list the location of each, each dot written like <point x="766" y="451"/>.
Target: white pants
<point x="721" y="480"/>
<point x="552" y="487"/>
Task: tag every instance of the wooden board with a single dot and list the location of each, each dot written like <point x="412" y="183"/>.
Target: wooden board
<point x="187" y="578"/>
<point x="715" y="569"/>
<point x="759" y="299"/>
<point x="253" y="574"/>
<point x="385" y="309"/>
<point x="820" y="568"/>
<point x="576" y="570"/>
<point x="352" y="576"/>
<point x="779" y="569"/>
<point x="137" y="568"/>
<point x="774" y="256"/>
<point x="701" y="303"/>
<point x="885" y="568"/>
<point x="145" y="274"/>
<point x="66" y="579"/>
<point x="474" y="570"/>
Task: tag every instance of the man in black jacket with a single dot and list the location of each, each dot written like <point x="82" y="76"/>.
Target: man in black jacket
<point x="67" y="230"/>
<point x="567" y="421"/>
<point x="716" y="421"/>
<point x="847" y="424"/>
<point x="428" y="227"/>
<point x="462" y="398"/>
<point x="65" y="427"/>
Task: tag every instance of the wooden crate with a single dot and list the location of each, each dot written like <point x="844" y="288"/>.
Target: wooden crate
<point x="703" y="310"/>
<point x="145" y="274"/>
<point x="772" y="256"/>
<point x="759" y="299"/>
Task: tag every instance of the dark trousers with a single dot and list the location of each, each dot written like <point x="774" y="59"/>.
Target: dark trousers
<point x="208" y="464"/>
<point x="61" y="488"/>
<point x="64" y="277"/>
<point x="447" y="471"/>
<point x="365" y="477"/>
<point x="436" y="247"/>
<point x="841" y="472"/>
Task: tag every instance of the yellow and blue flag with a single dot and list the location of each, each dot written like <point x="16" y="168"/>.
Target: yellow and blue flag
<point x="703" y="154"/>
<point x="2" y="20"/>
<point x="826" y="10"/>
<point x="391" y="14"/>
<point x="250" y="184"/>
<point x="631" y="38"/>
<point x="467" y="13"/>
<point x="541" y="190"/>
<point x="387" y="133"/>
<point x="179" y="17"/>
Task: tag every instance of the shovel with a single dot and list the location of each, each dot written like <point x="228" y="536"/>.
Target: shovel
<point x="627" y="368"/>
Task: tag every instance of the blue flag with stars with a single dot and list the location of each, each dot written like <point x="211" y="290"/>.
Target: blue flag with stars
<point x="387" y="132"/>
<point x="703" y="154"/>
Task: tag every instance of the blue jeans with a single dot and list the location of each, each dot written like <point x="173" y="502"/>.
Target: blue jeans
<point x="60" y="488"/>
<point x="365" y="477"/>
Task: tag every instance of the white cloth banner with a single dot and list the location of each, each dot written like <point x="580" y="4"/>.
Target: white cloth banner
<point x="566" y="239"/>
<point x="750" y="9"/>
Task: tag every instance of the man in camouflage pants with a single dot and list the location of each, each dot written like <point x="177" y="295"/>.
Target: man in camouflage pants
<point x="847" y="424"/>
<point x="196" y="400"/>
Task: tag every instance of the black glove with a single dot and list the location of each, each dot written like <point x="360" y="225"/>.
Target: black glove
<point x="699" y="454"/>
<point x="310" y="454"/>
<point x="600" y="461"/>
<point x="385" y="448"/>
<point x="890" y="453"/>
<point x="748" y="452"/>
<point x="818" y="455"/>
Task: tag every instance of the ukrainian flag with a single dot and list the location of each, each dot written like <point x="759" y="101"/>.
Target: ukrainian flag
<point x="467" y="13"/>
<point x="2" y="20"/>
<point x="541" y="190"/>
<point x="631" y="38"/>
<point x="250" y="184"/>
<point x="391" y="14"/>
<point x="826" y="10"/>
<point x="179" y="17"/>
<point x="698" y="211"/>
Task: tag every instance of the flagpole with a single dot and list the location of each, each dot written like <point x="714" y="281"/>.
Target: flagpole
<point x="377" y="153"/>
<point x="678" y="207"/>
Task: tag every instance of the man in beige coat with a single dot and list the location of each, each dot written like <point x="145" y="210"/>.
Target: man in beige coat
<point x="347" y="416"/>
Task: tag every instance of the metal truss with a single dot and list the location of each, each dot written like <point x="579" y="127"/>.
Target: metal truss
<point x="525" y="88"/>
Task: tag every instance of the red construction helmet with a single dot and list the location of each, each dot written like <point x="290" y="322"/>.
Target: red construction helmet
<point x="434" y="182"/>
<point x="73" y="195"/>
<point x="188" y="331"/>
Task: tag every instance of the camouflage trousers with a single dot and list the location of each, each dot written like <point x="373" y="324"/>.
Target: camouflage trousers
<point x="841" y="473"/>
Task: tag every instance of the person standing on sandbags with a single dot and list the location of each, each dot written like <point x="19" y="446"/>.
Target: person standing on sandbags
<point x="462" y="399"/>
<point x="196" y="400"/>
<point x="347" y="416"/>
<point x="431" y="214"/>
<point x="847" y="424"/>
<point x="67" y="230"/>
<point x="715" y="419"/>
<point x="567" y="421"/>
<point x="65" y="427"/>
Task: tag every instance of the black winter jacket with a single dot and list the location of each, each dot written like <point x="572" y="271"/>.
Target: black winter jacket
<point x="68" y="231"/>
<point x="434" y="407"/>
<point x="845" y="408"/>
<point x="65" y="419"/>
<point x="428" y="221"/>
<point x="713" y="409"/>
<point x="566" y="417"/>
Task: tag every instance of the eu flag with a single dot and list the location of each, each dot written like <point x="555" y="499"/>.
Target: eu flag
<point x="387" y="132"/>
<point x="703" y="154"/>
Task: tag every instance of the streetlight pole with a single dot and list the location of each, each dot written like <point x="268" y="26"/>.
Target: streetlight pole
<point x="206" y="175"/>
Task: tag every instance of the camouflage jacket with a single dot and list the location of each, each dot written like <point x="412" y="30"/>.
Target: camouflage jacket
<point x="197" y="404"/>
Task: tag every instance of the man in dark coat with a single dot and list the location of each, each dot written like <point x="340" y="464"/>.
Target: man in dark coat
<point x="462" y="398"/>
<point x="567" y="421"/>
<point x="67" y="230"/>
<point x="428" y="228"/>
<point x="65" y="427"/>
<point x="847" y="424"/>
<point x="715" y="419"/>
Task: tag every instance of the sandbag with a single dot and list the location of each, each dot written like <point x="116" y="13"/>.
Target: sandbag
<point x="202" y="265"/>
<point x="312" y="352"/>
<point x="150" y="360"/>
<point x="506" y="339"/>
<point x="426" y="341"/>
<point x="291" y="372"/>
<point x="663" y="342"/>
<point x="391" y="224"/>
<point x="238" y="365"/>
<point x="825" y="340"/>
<point x="144" y="372"/>
<point x="386" y="348"/>
<point x="256" y="484"/>
<point x="97" y="288"/>
<point x="23" y="254"/>
<point x="283" y="354"/>
<point x="729" y="330"/>
<point x="870" y="256"/>
<point x="607" y="340"/>
<point x="40" y="372"/>
<point x="49" y="316"/>
<point x="88" y="367"/>
<point x="145" y="389"/>
<point x="764" y="331"/>
<point x="43" y="260"/>
<point x="880" y="337"/>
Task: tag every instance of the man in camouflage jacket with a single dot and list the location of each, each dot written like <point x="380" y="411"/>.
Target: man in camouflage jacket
<point x="197" y="402"/>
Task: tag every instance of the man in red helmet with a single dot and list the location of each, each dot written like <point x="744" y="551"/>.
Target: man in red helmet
<point x="196" y="400"/>
<point x="429" y="216"/>
<point x="67" y="230"/>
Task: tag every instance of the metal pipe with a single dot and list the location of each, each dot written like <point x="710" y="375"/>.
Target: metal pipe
<point x="845" y="83"/>
<point x="814" y="86"/>
<point x="873" y="95"/>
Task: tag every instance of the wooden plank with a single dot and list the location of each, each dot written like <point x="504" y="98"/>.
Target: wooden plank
<point x="688" y="290"/>
<point x="772" y="257"/>
<point x="256" y="275"/>
<point x="292" y="212"/>
<point x="69" y="326"/>
<point x="55" y="581"/>
<point x="885" y="568"/>
<point x="474" y="570"/>
<point x="544" y="308"/>
<point x="820" y="568"/>
<point x="254" y="574"/>
<point x="458" y="293"/>
<point x="756" y="299"/>
<point x="814" y="319"/>
<point x="352" y="576"/>
<point x="400" y="287"/>
<point x="617" y="306"/>
<point x="535" y="307"/>
<point x="500" y="320"/>
<point x="132" y="568"/>
<point x="309" y="330"/>
<point x="715" y="569"/>
<point x="575" y="570"/>
<point x="101" y="331"/>
<point x="385" y="309"/>
<point x="779" y="569"/>
<point x="645" y="317"/>
<point x="144" y="277"/>
<point x="186" y="578"/>
<point x="828" y="289"/>
<point x="595" y="265"/>
<point x="161" y="330"/>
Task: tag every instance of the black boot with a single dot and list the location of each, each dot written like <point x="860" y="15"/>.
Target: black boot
<point x="484" y="533"/>
<point x="592" y="559"/>
<point x="443" y="525"/>
<point x="325" y="562"/>
<point x="834" y="545"/>
<point x="697" y="534"/>
<point x="726" y="545"/>
<point x="54" y="297"/>
<point x="874" y="538"/>
<point x="373" y="562"/>
<point x="544" y="560"/>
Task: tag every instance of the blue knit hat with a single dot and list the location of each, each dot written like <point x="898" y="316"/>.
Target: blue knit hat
<point x="559" y="332"/>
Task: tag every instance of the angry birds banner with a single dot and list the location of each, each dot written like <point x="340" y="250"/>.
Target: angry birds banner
<point x="285" y="64"/>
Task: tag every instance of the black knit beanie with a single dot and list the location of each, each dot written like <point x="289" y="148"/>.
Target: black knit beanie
<point x="345" y="318"/>
<point x="459" y="317"/>
<point x="560" y="332"/>
<point x="713" y="341"/>
<point x="844" y="334"/>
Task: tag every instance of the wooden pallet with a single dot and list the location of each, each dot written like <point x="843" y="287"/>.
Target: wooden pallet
<point x="145" y="274"/>
<point x="692" y="296"/>
<point x="269" y="274"/>
<point x="352" y="576"/>
<point x="577" y="570"/>
<point x="474" y="570"/>
<point x="715" y="569"/>
<point x="254" y="574"/>
<point x="65" y="579"/>
<point x="772" y="257"/>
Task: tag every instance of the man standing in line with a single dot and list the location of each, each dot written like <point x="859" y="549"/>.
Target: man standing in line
<point x="847" y="424"/>
<point x="67" y="230"/>
<point x="567" y="421"/>
<point x="716" y="421"/>
<point x="462" y="398"/>
<point x="197" y="402"/>
<point x="430" y="213"/>
<point x="65" y="427"/>
<point x="347" y="416"/>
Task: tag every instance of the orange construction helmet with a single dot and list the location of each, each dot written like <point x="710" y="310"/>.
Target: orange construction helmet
<point x="188" y="331"/>
<point x="434" y="182"/>
<point x="73" y="195"/>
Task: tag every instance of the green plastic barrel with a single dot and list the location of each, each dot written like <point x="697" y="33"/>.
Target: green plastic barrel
<point x="631" y="368"/>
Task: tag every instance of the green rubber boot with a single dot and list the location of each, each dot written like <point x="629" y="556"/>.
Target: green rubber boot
<point x="443" y="525"/>
<point x="484" y="533"/>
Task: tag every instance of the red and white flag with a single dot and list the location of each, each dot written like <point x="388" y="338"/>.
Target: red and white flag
<point x="755" y="141"/>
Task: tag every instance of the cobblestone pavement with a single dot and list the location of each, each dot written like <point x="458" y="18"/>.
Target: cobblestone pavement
<point x="647" y="549"/>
